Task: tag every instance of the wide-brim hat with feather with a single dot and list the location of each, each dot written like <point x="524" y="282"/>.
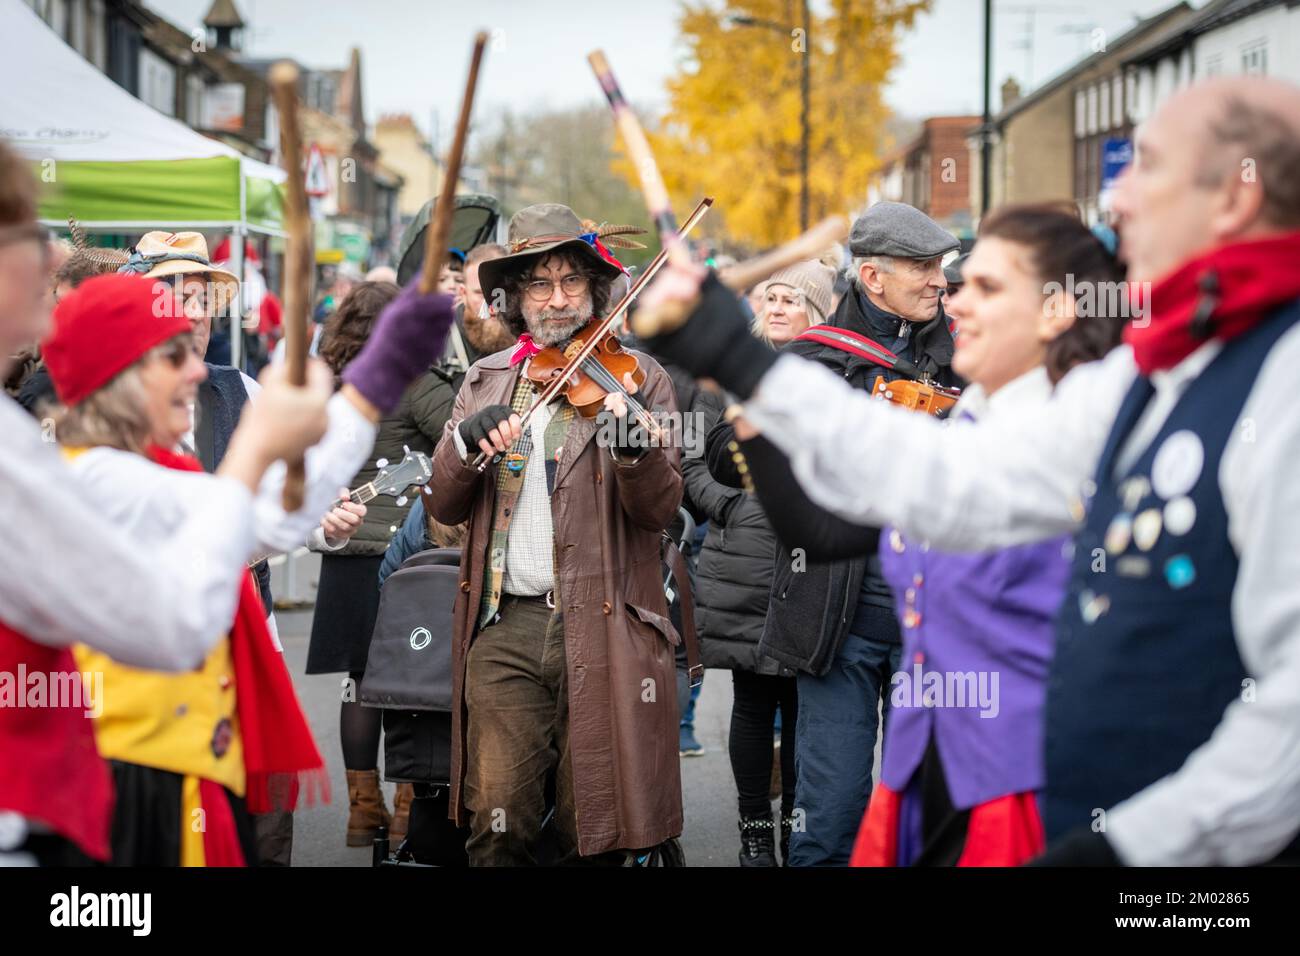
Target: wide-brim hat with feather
<point x="160" y="255"/>
<point x="546" y="227"/>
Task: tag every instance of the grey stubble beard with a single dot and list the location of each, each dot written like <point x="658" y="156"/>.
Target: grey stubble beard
<point x="556" y="335"/>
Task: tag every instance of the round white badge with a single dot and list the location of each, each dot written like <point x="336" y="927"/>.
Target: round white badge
<point x="1177" y="464"/>
<point x="1180" y="515"/>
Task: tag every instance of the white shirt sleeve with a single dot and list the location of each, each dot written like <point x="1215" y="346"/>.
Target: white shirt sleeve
<point x="69" y="574"/>
<point x="1233" y="802"/>
<point x="331" y="464"/>
<point x="961" y="486"/>
<point x="251" y="386"/>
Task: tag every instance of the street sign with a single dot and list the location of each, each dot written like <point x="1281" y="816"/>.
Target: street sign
<point x="318" y="184"/>
<point x="1115" y="155"/>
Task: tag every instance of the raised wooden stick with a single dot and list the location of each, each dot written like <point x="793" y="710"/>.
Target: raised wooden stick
<point x="638" y="150"/>
<point x="439" y="231"/>
<point x="669" y="316"/>
<point x="298" y="254"/>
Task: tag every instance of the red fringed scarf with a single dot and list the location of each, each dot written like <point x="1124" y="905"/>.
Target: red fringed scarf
<point x="1220" y="295"/>
<point x="279" y="752"/>
<point x="525" y="349"/>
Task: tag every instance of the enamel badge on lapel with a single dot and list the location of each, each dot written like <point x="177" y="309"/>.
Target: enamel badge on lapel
<point x="1177" y="464"/>
<point x="1146" y="529"/>
<point x="1133" y="490"/>
<point x="1092" y="606"/>
<point x="1119" y="533"/>
<point x="1179" y="571"/>
<point x="1180" y="515"/>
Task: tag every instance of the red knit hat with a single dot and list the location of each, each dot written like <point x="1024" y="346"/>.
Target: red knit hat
<point x="104" y="326"/>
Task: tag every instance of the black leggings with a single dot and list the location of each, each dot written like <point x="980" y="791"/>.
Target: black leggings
<point x="753" y="717"/>
<point x="359" y="729"/>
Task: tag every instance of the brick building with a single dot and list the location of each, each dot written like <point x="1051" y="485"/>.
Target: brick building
<point x="932" y="172"/>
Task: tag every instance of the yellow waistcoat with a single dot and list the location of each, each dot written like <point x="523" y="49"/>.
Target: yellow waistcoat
<point x="182" y="722"/>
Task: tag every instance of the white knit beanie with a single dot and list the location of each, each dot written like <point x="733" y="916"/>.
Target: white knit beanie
<point x="814" y="280"/>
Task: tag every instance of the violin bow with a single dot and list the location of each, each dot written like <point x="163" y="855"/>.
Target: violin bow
<point x="298" y="255"/>
<point x="554" y="386"/>
<point x="439" y="231"/>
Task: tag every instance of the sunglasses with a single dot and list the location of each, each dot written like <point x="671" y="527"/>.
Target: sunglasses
<point x="176" y="351"/>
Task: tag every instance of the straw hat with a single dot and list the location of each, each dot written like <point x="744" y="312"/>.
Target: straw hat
<point x="159" y="255"/>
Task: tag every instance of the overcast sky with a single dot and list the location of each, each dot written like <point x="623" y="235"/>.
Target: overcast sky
<point x="414" y="53"/>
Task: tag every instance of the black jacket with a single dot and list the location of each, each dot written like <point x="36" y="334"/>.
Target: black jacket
<point x="734" y="575"/>
<point x="813" y="603"/>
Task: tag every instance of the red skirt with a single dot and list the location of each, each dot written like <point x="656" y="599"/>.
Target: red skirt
<point x="1006" y="831"/>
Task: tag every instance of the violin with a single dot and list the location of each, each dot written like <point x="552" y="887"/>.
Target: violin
<point x="599" y="373"/>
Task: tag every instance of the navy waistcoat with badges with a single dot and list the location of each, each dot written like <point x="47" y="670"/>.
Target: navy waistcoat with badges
<point x="1146" y="659"/>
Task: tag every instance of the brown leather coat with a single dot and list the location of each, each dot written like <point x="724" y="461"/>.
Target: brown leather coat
<point x="608" y="519"/>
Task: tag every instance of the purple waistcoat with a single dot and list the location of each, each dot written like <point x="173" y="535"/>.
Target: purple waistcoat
<point x="978" y="633"/>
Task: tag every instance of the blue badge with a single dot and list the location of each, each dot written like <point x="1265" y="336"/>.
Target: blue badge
<point x="1179" y="571"/>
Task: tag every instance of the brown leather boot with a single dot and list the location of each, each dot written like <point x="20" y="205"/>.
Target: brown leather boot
<point x="366" y="810"/>
<point x="401" y="813"/>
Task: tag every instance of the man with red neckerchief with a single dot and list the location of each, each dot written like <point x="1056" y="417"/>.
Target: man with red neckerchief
<point x="1173" y="716"/>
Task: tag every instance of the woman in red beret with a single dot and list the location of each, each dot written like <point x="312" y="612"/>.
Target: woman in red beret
<point x="193" y="754"/>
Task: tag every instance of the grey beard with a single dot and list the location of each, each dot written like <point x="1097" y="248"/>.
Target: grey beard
<point x="556" y="335"/>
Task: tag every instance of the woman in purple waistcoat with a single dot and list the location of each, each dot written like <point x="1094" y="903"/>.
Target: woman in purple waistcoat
<point x="963" y="750"/>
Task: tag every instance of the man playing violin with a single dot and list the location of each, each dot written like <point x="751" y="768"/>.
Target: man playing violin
<point x="562" y="647"/>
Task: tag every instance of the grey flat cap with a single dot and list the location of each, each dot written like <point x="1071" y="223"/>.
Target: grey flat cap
<point x="897" y="229"/>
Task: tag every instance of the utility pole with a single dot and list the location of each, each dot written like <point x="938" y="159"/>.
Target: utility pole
<point x="986" y="150"/>
<point x="805" y="88"/>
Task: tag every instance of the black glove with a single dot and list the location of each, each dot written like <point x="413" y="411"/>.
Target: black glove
<point x="716" y="342"/>
<point x="627" y="439"/>
<point x="476" y="427"/>
<point x="1081" y="847"/>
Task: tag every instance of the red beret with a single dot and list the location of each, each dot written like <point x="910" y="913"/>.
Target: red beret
<point x="103" y="327"/>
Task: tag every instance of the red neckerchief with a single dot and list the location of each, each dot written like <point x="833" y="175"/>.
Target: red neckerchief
<point x="279" y="752"/>
<point x="1220" y="295"/>
<point x="525" y="349"/>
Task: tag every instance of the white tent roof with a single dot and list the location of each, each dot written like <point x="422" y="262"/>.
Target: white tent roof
<point x="55" y="105"/>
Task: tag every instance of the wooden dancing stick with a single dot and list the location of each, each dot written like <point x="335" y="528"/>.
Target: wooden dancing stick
<point x="298" y="254"/>
<point x="439" y="231"/>
<point x="638" y="149"/>
<point x="660" y="258"/>
<point x="657" y="321"/>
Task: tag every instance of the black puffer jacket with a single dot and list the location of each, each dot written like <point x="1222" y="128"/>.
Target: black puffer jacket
<point x="417" y="423"/>
<point x="813" y="603"/>
<point x="734" y="574"/>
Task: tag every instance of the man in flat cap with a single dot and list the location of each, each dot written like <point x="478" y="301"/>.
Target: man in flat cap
<point x="834" y="622"/>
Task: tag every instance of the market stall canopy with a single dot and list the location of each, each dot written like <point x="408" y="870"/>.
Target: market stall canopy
<point x="107" y="158"/>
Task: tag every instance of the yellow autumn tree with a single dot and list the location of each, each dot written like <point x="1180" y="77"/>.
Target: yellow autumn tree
<point x="732" y="129"/>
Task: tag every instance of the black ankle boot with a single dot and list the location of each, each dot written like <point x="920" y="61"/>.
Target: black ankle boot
<point x="787" y="825"/>
<point x="757" y="841"/>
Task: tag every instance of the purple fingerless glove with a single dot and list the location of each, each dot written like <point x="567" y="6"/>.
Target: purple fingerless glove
<point x="408" y="337"/>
